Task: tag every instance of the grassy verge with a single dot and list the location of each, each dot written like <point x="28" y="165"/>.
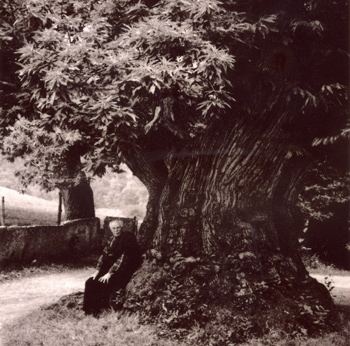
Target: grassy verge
<point x="61" y="326"/>
<point x="72" y="327"/>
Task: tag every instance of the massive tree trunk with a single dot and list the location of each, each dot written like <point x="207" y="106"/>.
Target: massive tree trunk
<point x="149" y="166"/>
<point x="225" y="252"/>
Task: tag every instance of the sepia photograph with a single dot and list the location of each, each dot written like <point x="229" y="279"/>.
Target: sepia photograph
<point x="174" y="173"/>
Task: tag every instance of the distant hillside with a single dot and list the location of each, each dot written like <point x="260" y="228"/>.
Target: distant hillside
<point x="23" y="209"/>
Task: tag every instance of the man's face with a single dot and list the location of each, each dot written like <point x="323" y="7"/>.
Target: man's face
<point x="116" y="228"/>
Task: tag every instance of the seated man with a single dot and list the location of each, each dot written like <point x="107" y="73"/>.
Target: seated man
<point x="119" y="260"/>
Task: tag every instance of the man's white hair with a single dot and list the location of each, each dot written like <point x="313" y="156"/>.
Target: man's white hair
<point x="118" y="222"/>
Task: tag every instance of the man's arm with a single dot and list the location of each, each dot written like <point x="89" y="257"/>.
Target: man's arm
<point x="114" y="268"/>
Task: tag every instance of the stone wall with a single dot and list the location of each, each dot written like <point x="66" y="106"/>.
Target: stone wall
<point x="23" y="244"/>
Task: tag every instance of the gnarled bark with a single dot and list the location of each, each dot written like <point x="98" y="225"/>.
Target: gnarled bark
<point x="224" y="251"/>
<point x="148" y="164"/>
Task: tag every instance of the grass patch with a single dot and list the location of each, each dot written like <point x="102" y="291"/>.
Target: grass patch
<point x="279" y="339"/>
<point x="72" y="327"/>
<point x="59" y="325"/>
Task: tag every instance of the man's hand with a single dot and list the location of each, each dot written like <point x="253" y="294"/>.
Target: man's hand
<point x="105" y="278"/>
<point x="93" y="276"/>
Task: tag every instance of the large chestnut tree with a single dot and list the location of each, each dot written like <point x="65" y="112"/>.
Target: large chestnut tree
<point x="219" y="109"/>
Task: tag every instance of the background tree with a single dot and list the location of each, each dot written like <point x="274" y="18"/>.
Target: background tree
<point x="22" y="134"/>
<point x="214" y="107"/>
<point x="52" y="161"/>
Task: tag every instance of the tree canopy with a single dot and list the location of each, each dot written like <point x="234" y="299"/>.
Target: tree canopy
<point x="103" y="76"/>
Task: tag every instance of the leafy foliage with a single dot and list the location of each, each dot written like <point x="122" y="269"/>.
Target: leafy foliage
<point x="117" y="71"/>
<point x="47" y="150"/>
<point x="84" y="75"/>
<point x="329" y="188"/>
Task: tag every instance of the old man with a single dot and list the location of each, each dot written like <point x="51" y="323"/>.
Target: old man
<point x="119" y="260"/>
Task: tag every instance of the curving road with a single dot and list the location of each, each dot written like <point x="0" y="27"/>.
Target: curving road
<point x="20" y="297"/>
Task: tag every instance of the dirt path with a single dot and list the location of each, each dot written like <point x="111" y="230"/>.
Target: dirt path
<point x="20" y="297"/>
